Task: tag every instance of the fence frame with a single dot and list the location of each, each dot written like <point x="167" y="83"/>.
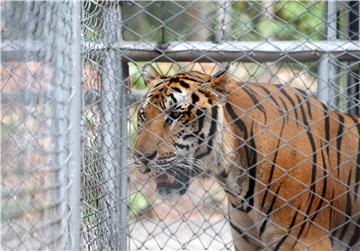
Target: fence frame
<point x="74" y="235"/>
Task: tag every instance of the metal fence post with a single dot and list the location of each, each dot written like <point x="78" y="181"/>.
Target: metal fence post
<point x="123" y="179"/>
<point x="60" y="122"/>
<point x="327" y="88"/>
<point x="113" y="105"/>
<point x="224" y="18"/>
<point x="75" y="132"/>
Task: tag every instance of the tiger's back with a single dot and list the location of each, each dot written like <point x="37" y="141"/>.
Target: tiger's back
<point x="307" y="162"/>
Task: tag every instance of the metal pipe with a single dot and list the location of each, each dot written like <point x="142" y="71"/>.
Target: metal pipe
<point x="75" y="131"/>
<point x="111" y="80"/>
<point x="223" y="20"/>
<point x="327" y="72"/>
<point x="123" y="170"/>
<point x="60" y="80"/>
<point x="243" y="51"/>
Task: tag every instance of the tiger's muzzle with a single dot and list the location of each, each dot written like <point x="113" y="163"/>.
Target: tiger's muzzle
<point x="169" y="178"/>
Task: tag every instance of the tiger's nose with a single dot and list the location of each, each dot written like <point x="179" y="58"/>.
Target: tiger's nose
<point x="145" y="158"/>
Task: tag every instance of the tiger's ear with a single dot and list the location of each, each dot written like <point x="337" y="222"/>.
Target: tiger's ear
<point x="219" y="80"/>
<point x="150" y="74"/>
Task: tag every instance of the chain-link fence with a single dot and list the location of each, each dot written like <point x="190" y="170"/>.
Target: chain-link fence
<point x="301" y="48"/>
<point x="39" y="132"/>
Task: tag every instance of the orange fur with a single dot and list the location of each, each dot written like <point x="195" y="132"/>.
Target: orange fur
<point x="300" y="191"/>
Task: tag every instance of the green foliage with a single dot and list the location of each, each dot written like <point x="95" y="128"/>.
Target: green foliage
<point x="216" y="193"/>
<point x="138" y="203"/>
<point x="305" y="19"/>
<point x="161" y="21"/>
<point x="135" y="72"/>
<point x="92" y="15"/>
<point x="133" y="128"/>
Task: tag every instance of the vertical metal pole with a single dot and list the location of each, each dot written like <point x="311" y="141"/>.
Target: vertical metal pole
<point x="114" y="121"/>
<point x="223" y="20"/>
<point x="75" y="131"/>
<point x="124" y="143"/>
<point x="60" y="80"/>
<point x="327" y="88"/>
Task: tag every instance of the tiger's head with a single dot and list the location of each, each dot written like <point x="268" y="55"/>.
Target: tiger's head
<point x="179" y="128"/>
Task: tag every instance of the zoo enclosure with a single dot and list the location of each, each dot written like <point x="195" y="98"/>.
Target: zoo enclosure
<point x="113" y="46"/>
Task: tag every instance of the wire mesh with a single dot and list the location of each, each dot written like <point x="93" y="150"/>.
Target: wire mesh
<point x="36" y="92"/>
<point x="290" y="165"/>
<point x="309" y="46"/>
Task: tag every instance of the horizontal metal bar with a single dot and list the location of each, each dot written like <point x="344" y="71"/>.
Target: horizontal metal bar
<point x="26" y="98"/>
<point x="260" y="51"/>
<point x="18" y="50"/>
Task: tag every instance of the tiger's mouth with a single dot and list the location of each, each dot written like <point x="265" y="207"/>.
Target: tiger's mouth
<point x="169" y="185"/>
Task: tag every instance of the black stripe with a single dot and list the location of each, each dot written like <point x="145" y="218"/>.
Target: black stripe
<point x="174" y="79"/>
<point x="272" y="166"/>
<point x="200" y="117"/>
<point x="162" y="104"/>
<point x="213" y="127"/>
<point x="287" y="233"/>
<point x="331" y="210"/>
<point x="201" y="138"/>
<point x="286" y="109"/>
<point x="327" y="127"/>
<point x="190" y="107"/>
<point x="323" y="192"/>
<point x="239" y="231"/>
<point x="356" y="236"/>
<point x="303" y="93"/>
<point x="357" y="167"/>
<point x="194" y="98"/>
<point x="313" y="169"/>
<point x="214" y="118"/>
<point x="348" y="208"/>
<point x="339" y="137"/>
<point x="151" y="156"/>
<point x="173" y="98"/>
<point x="192" y="79"/>
<point x="250" y="154"/>
<point x="175" y="89"/>
<point x="184" y="84"/>
<point x="270" y="95"/>
<point x="158" y="84"/>
<point x="256" y="102"/>
<point x="204" y="93"/>
<point x="181" y="146"/>
<point x="240" y="124"/>
<point x="307" y="100"/>
<point x="249" y="197"/>
<point x="268" y="212"/>
<point x="281" y="88"/>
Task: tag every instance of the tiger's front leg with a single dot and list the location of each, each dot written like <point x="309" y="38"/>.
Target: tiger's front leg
<point x="243" y="230"/>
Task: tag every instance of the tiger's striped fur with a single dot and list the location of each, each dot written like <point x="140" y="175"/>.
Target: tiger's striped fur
<point x="289" y="165"/>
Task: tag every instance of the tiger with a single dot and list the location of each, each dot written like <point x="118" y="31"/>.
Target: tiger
<point x="288" y="163"/>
